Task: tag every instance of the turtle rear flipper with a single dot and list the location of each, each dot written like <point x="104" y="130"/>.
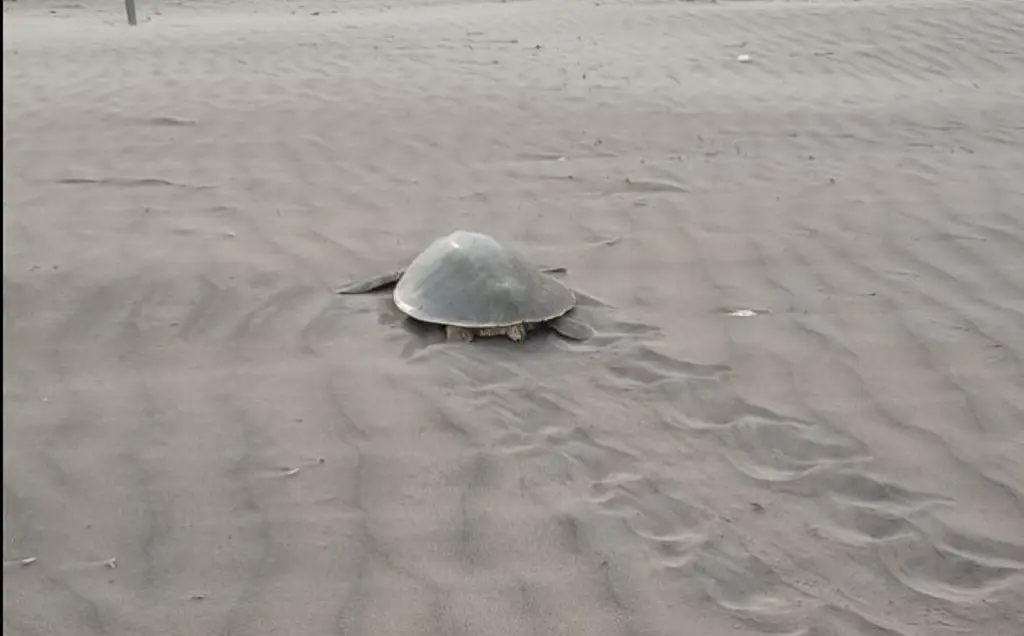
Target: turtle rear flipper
<point x="370" y="284"/>
<point x="572" y="328"/>
<point x="459" y="334"/>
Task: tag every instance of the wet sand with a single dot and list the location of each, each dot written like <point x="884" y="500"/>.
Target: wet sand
<point x="200" y="437"/>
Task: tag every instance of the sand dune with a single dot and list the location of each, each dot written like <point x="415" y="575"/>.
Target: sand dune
<point x="201" y="438"/>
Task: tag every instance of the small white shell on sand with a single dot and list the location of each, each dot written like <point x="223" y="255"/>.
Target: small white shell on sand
<point x="748" y="313"/>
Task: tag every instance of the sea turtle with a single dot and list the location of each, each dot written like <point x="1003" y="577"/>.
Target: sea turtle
<point x="475" y="287"/>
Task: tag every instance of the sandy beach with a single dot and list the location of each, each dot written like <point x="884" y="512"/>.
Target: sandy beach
<point x="797" y="229"/>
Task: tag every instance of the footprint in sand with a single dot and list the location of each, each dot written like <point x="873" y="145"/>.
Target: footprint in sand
<point x="781" y="450"/>
<point x="761" y="444"/>
<point x="746" y="586"/>
<point x="950" y="565"/>
<point x="644" y="366"/>
<point x="657" y="512"/>
<point x="867" y="510"/>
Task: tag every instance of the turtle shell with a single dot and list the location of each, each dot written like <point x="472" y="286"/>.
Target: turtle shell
<point x="470" y="280"/>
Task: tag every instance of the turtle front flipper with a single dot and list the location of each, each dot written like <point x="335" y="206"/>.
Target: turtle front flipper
<point x="571" y="328"/>
<point x="370" y="284"/>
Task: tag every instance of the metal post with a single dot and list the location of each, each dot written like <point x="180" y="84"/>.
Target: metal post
<point x="129" y="7"/>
